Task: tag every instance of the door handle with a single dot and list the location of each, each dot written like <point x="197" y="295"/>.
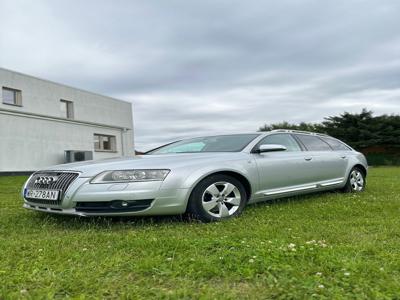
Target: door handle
<point x="308" y="158"/>
<point x="343" y="156"/>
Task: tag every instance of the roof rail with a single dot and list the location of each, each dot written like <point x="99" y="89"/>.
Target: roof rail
<point x="299" y="131"/>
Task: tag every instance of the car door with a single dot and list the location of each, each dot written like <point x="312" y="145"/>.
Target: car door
<point x="282" y="172"/>
<point x="341" y="150"/>
<point x="328" y="166"/>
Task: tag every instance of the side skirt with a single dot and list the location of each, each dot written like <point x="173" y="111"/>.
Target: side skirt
<point x="298" y="189"/>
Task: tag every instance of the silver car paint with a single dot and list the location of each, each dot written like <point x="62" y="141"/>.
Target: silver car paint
<point x="270" y="174"/>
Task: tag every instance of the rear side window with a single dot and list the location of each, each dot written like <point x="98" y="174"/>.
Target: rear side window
<point x="313" y="143"/>
<point x="281" y="139"/>
<point x="335" y="144"/>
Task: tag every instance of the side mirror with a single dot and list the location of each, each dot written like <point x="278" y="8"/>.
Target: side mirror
<point x="270" y="148"/>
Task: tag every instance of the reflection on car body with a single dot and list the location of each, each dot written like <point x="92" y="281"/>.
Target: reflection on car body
<point x="210" y="178"/>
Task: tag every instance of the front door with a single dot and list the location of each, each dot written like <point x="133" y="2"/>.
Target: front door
<point x="283" y="172"/>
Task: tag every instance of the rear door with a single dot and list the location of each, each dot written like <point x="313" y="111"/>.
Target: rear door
<point x="341" y="149"/>
<point x="327" y="165"/>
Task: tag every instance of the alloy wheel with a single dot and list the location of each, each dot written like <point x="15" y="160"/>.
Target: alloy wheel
<point x="221" y="199"/>
<point x="356" y="180"/>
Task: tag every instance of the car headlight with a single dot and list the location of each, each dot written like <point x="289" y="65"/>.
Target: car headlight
<point x="130" y="176"/>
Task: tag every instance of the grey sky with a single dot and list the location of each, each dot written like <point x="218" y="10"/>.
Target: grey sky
<point x="198" y="67"/>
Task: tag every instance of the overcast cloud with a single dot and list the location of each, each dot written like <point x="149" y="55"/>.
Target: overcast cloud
<point x="198" y="67"/>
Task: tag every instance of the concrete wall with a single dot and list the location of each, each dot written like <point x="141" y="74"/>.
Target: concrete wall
<point x="43" y="97"/>
<point x="36" y="135"/>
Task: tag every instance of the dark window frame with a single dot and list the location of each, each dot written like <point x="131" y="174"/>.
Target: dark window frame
<point x="296" y="135"/>
<point x="69" y="106"/>
<point x="256" y="147"/>
<point x="113" y="143"/>
<point x="17" y="96"/>
<point x="327" y="138"/>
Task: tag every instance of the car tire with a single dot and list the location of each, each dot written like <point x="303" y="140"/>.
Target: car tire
<point x="355" y="182"/>
<point x="217" y="197"/>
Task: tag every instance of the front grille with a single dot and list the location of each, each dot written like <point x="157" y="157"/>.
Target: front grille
<point x="61" y="184"/>
<point x="46" y="202"/>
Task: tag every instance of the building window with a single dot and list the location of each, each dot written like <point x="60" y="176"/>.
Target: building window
<point x="105" y="143"/>
<point x="11" y="96"/>
<point x="67" y="109"/>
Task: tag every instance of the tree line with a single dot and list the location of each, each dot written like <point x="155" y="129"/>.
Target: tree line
<point x="377" y="136"/>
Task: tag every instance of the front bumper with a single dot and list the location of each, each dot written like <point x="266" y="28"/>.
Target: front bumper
<point x="141" y="199"/>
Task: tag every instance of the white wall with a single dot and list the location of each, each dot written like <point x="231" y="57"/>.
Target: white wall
<point x="29" y="144"/>
<point x="43" y="97"/>
<point x="36" y="135"/>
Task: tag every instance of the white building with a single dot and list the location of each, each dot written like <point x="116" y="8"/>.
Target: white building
<point x="40" y="120"/>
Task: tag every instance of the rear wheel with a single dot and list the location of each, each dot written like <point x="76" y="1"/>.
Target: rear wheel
<point x="356" y="181"/>
<point x="217" y="197"/>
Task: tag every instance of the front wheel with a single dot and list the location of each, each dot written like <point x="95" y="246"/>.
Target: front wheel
<point x="355" y="182"/>
<point x="217" y="197"/>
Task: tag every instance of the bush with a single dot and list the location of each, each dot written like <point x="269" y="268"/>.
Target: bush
<point x="378" y="137"/>
<point x="382" y="159"/>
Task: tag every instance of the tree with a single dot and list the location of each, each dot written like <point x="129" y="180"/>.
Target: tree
<point x="285" y="125"/>
<point x="360" y="131"/>
<point x="357" y="130"/>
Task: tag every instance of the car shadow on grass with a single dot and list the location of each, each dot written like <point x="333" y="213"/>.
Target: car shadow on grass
<point x="107" y="222"/>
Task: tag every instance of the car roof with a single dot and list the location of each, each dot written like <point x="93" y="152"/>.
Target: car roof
<point x="259" y="133"/>
<point x="299" y="131"/>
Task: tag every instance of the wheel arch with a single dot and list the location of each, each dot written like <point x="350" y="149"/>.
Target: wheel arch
<point x="362" y="168"/>
<point x="243" y="179"/>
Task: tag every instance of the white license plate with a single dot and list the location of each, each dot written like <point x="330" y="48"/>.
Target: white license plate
<point x="42" y="194"/>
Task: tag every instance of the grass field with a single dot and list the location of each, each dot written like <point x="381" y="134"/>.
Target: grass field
<point x="329" y="245"/>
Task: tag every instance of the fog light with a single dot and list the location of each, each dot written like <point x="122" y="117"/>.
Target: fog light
<point x="118" y="204"/>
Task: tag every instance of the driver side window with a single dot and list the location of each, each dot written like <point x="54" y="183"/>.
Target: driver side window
<point x="281" y="139"/>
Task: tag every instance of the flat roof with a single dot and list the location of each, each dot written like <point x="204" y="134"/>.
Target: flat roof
<point x="64" y="85"/>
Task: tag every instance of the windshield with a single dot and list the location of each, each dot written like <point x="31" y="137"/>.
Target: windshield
<point x="219" y="143"/>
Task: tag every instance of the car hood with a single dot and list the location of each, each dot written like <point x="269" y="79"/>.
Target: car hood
<point x="163" y="161"/>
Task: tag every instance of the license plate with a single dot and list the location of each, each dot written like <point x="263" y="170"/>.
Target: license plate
<point x="42" y="194"/>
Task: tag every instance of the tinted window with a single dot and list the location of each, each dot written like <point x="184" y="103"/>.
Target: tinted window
<point x="221" y="143"/>
<point x="313" y="143"/>
<point x="335" y="144"/>
<point x="281" y="139"/>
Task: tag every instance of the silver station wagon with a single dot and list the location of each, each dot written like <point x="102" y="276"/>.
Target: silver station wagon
<point x="210" y="178"/>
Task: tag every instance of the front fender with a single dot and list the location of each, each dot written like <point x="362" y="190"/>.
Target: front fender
<point x="248" y="171"/>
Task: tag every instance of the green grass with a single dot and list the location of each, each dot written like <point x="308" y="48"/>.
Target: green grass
<point x="328" y="245"/>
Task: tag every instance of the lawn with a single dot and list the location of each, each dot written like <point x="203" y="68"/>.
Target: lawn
<point x="329" y="245"/>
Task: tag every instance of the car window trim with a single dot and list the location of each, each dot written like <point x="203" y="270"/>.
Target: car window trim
<point x="257" y="135"/>
<point x="348" y="148"/>
<point x="302" y="146"/>
<point x="255" y="148"/>
<point x="297" y="134"/>
<point x="151" y="150"/>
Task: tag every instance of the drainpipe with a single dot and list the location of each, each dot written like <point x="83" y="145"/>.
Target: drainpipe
<point x="123" y="130"/>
